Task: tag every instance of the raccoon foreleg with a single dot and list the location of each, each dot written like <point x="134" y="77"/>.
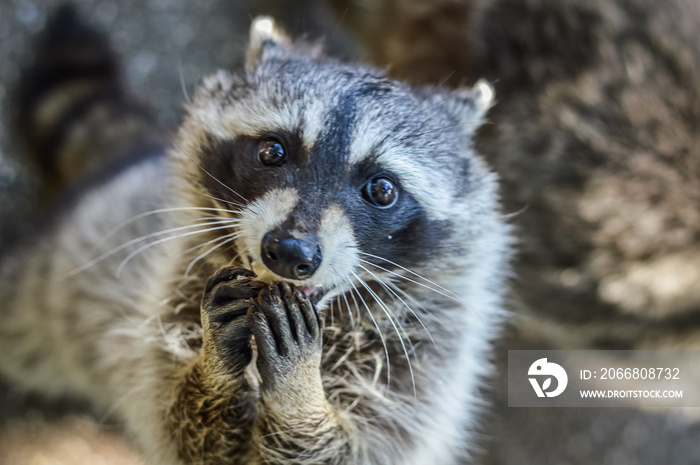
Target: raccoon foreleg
<point x="297" y="424"/>
<point x="214" y="412"/>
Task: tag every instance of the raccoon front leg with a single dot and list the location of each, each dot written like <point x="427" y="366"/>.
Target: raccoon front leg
<point x="214" y="412"/>
<point x="296" y="424"/>
<point x="331" y="406"/>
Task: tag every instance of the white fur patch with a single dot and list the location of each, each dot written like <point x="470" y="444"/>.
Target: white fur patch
<point x="253" y="118"/>
<point x="314" y="122"/>
<point x="249" y="118"/>
<point x="339" y="249"/>
<point x="260" y="217"/>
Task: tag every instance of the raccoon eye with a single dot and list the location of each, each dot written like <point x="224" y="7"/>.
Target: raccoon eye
<point x="380" y="192"/>
<point x="272" y="153"/>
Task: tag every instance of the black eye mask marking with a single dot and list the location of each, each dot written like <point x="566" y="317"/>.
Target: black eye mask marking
<point x="249" y="165"/>
<point x="386" y="219"/>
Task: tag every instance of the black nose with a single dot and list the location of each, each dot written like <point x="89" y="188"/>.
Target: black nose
<point x="289" y="256"/>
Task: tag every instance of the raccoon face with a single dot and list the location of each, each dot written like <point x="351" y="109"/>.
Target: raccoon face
<point x="333" y="172"/>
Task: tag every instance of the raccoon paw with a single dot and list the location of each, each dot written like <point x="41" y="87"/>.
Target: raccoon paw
<point x="287" y="329"/>
<point x="226" y="300"/>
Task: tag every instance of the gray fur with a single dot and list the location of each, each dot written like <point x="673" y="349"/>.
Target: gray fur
<point x="126" y="331"/>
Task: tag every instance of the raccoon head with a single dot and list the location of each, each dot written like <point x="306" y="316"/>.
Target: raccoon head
<point x="332" y="172"/>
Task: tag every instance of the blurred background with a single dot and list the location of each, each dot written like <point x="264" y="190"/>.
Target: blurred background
<point x="166" y="45"/>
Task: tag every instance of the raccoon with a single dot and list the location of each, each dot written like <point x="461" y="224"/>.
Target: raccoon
<point x="312" y="272"/>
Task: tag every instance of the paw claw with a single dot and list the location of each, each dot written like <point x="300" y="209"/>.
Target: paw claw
<point x="286" y="327"/>
<point x="226" y="301"/>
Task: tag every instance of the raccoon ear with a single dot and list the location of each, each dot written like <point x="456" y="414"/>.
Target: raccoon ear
<point x="470" y="105"/>
<point x="266" y="39"/>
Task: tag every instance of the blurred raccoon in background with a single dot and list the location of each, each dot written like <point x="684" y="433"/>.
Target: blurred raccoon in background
<point x="595" y="136"/>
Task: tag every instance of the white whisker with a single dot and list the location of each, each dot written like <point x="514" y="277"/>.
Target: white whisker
<point x="123" y="246"/>
<point x="347" y="306"/>
<point x="391" y="317"/>
<point x="331" y="308"/>
<point x="160" y="241"/>
<point x="158" y="211"/>
<point x="231" y="237"/>
<point x="386" y="286"/>
<point x="168" y="210"/>
<point x="447" y="293"/>
<point x="223" y="201"/>
<point x="379" y="331"/>
<point x="204" y="244"/>
<point x="357" y="307"/>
